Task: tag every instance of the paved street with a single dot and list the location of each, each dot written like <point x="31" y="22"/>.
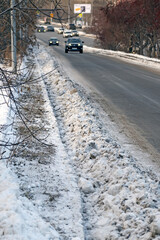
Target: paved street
<point x="132" y="91"/>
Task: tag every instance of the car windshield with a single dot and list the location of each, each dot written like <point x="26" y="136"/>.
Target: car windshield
<point x="50" y="27"/>
<point x="74" y="40"/>
<point x="53" y="39"/>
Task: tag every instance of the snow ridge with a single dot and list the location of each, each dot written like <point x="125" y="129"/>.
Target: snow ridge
<point x="120" y="198"/>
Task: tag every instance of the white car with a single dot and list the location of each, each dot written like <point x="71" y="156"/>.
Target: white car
<point x="60" y="30"/>
<point x="75" y="33"/>
<point x="67" y="34"/>
<point x="79" y="25"/>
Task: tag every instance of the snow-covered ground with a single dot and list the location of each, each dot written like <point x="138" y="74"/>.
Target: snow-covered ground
<point x="18" y="218"/>
<point x="83" y="184"/>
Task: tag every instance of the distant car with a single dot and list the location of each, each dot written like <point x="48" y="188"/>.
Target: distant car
<point x="74" y="44"/>
<point x="50" y="29"/>
<point x="71" y="26"/>
<point x="75" y="33"/>
<point x="60" y="30"/>
<point x="53" y="41"/>
<point x="47" y="22"/>
<point x="79" y="25"/>
<point x="67" y="34"/>
<point x="40" y="29"/>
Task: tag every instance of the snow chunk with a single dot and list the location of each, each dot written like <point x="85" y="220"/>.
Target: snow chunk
<point x="155" y="226"/>
<point x="114" y="190"/>
<point x="85" y="185"/>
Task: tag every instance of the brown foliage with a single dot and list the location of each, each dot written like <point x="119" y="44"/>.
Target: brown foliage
<point x="131" y="25"/>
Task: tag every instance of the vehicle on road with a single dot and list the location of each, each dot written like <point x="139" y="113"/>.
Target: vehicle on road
<point x="60" y="30"/>
<point x="47" y="21"/>
<point x="74" y="44"/>
<point x="75" y="33"/>
<point x="50" y="28"/>
<point x="67" y="34"/>
<point x="79" y="25"/>
<point x="40" y="29"/>
<point x="71" y="26"/>
<point x="53" y="41"/>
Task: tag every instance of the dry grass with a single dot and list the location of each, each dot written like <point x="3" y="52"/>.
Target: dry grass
<point x="33" y="109"/>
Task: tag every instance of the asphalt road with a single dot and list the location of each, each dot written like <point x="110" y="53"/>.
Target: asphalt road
<point x="134" y="91"/>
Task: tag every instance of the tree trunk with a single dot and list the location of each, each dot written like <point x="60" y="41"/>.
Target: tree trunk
<point x="158" y="50"/>
<point x="141" y="45"/>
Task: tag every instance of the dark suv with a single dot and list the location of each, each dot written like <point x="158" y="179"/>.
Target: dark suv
<point x="50" y="28"/>
<point x="72" y="26"/>
<point x="53" y="41"/>
<point x="74" y="44"/>
<point x="40" y="29"/>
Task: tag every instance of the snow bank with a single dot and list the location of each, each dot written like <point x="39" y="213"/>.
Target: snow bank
<point x="4" y="109"/>
<point x="120" y="198"/>
<point x="18" y="218"/>
<point x="129" y="57"/>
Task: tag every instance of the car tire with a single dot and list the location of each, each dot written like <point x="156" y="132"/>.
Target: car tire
<point x="66" y="51"/>
<point x="81" y="51"/>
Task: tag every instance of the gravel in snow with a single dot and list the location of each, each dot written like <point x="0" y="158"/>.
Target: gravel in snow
<point x="86" y="186"/>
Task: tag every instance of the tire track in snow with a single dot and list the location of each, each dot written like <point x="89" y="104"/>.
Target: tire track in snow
<point x="71" y="201"/>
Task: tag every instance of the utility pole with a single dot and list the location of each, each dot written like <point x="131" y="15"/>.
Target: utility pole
<point x="26" y="31"/>
<point x="92" y="3"/>
<point x="69" y="11"/>
<point x="20" y="28"/>
<point x="51" y="12"/>
<point x="13" y="38"/>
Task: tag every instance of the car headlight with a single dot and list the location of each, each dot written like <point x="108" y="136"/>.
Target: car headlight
<point x="50" y="42"/>
<point x="79" y="44"/>
<point x="70" y="44"/>
<point x="57" y="42"/>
